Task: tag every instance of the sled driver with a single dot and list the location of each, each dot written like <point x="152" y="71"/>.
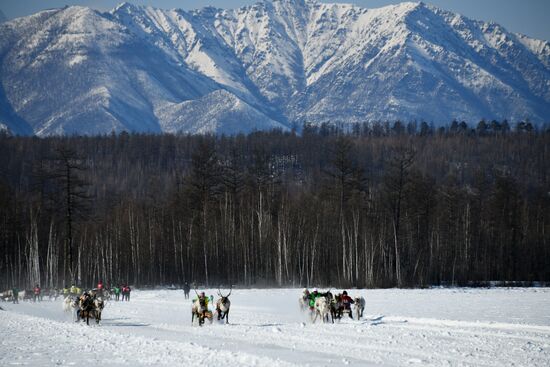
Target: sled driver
<point x="203" y="298"/>
<point x="312" y="297"/>
<point x="305" y="294"/>
<point x="347" y="301"/>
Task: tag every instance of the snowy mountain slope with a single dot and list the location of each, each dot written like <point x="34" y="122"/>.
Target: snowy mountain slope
<point x="188" y="40"/>
<point x="410" y="61"/>
<point x="76" y="70"/>
<point x="219" y="112"/>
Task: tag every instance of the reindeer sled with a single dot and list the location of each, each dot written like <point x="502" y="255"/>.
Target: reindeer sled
<point x="89" y="308"/>
<point x="199" y="310"/>
<point x="340" y="308"/>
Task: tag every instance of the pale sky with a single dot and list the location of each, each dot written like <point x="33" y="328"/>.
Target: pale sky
<point x="530" y="17"/>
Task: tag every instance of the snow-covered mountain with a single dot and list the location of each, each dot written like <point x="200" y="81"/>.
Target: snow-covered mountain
<point x="270" y="65"/>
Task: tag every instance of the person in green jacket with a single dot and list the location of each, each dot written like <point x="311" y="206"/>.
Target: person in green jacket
<point x="202" y="296"/>
<point x="116" y="289"/>
<point x="312" y="297"/>
<point x="15" y="295"/>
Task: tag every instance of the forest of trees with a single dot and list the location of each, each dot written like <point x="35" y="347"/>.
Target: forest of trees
<point x="380" y="205"/>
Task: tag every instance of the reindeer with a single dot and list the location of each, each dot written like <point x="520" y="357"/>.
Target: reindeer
<point x="99" y="304"/>
<point x="7" y="295"/>
<point x="322" y="309"/>
<point x="69" y="303"/>
<point x="199" y="310"/>
<point x="26" y="295"/>
<point x="90" y="308"/>
<point x="359" y="307"/>
<point x="107" y="294"/>
<point x="222" y="306"/>
<point x="337" y="308"/>
<point x="303" y="301"/>
<point x="53" y="294"/>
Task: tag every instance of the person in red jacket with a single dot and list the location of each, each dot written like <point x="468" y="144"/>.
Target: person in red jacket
<point x="37" y="291"/>
<point x="347" y="301"/>
<point x="100" y="288"/>
<point x="126" y="293"/>
<point x="128" y="290"/>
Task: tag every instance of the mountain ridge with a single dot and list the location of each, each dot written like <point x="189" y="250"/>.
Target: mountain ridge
<point x="277" y="63"/>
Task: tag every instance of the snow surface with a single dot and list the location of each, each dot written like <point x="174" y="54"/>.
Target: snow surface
<point x="433" y="327"/>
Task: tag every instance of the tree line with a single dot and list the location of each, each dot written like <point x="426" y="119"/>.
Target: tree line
<point x="374" y="205"/>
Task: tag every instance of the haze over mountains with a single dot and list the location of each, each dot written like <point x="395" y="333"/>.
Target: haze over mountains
<point x="270" y="65"/>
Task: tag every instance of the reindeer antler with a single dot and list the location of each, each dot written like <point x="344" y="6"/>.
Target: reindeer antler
<point x="230" y="290"/>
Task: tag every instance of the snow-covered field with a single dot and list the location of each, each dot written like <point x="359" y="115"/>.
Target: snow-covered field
<point x="439" y="327"/>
